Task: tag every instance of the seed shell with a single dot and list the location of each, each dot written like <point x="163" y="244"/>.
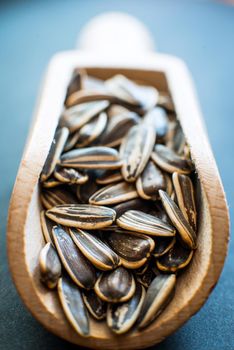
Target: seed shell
<point x="96" y="306"/>
<point x="50" y="266"/>
<point x="97" y="252"/>
<point x="169" y="161"/>
<point x="157" y="297"/>
<point x="158" y="118"/>
<point x="56" y="196"/>
<point x="55" y="151"/>
<point x="135" y="220"/>
<point x="147" y="277"/>
<point x="85" y="191"/>
<point x="115" y="286"/>
<point x="109" y="177"/>
<point x="150" y="181"/>
<point x="163" y="245"/>
<point x="175" y="259"/>
<point x="70" y="176"/>
<point x="133" y="248"/>
<point x="185" y="198"/>
<point x="121" y="317"/>
<point x="136" y="149"/>
<point x="76" y="265"/>
<point x="113" y="194"/>
<point x="133" y="204"/>
<point x="186" y="232"/>
<point x="76" y="82"/>
<point x="92" y="130"/>
<point x="73" y="306"/>
<point x="51" y="182"/>
<point x="92" y="158"/>
<point x="46" y="226"/>
<point x="83" y="216"/>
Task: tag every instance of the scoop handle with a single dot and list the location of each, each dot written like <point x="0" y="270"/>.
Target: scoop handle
<point x="115" y="33"/>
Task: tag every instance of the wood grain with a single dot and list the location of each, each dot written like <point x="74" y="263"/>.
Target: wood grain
<point x="24" y="233"/>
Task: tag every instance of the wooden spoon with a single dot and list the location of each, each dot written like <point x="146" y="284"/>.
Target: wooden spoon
<point x="25" y="240"/>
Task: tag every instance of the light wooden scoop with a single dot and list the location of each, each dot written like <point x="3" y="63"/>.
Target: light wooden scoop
<point x="25" y="240"/>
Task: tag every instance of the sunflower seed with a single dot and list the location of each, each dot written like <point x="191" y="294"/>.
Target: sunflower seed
<point x="185" y="198"/>
<point x="146" y="278"/>
<point x="135" y="150"/>
<point x="97" y="252"/>
<point x="91" y="131"/>
<point x="169" y="185"/>
<point x="76" y="117"/>
<point x="141" y="270"/>
<point x="163" y="245"/>
<point x="76" y="82"/>
<point x="175" y="259"/>
<point x="115" y="286"/>
<point x="176" y="140"/>
<point x="70" y="176"/>
<point x="144" y="96"/>
<point x="94" y="304"/>
<point x="56" y="196"/>
<point x="50" y="266"/>
<point x="92" y="158"/>
<point x="186" y="232"/>
<point x="109" y="177"/>
<point x="135" y="220"/>
<point x="85" y="191"/>
<point x="76" y="265"/>
<point x="51" y="182"/>
<point x="46" y="226"/>
<point x="55" y="151"/>
<point x="133" y="248"/>
<point x="121" y="317"/>
<point x="71" y="141"/>
<point x="150" y="181"/>
<point x="133" y="204"/>
<point x="157" y="117"/>
<point x="73" y="306"/>
<point x="83" y="216"/>
<point x="112" y="194"/>
<point x="165" y="101"/>
<point x="157" y="298"/>
<point x="169" y="161"/>
<point x="117" y="128"/>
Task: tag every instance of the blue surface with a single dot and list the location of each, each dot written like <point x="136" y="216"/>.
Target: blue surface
<point x="201" y="33"/>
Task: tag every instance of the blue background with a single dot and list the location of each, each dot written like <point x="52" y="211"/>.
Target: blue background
<point x="201" y="33"/>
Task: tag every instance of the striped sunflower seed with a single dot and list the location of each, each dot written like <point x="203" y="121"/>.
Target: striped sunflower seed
<point x="185" y="198"/>
<point x="77" y="266"/>
<point x="109" y="177"/>
<point x="163" y="245"/>
<point x="169" y="161"/>
<point x="115" y="286"/>
<point x="176" y="139"/>
<point x="50" y="266"/>
<point x="92" y="158"/>
<point x="136" y="220"/>
<point x="73" y="306"/>
<point x="76" y="82"/>
<point x="159" y="294"/>
<point x="122" y="87"/>
<point x="150" y="181"/>
<point x="51" y="182"/>
<point x="133" y="248"/>
<point x="55" y="151"/>
<point x="71" y="141"/>
<point x="135" y="150"/>
<point x="169" y="185"/>
<point x="175" y="259"/>
<point x="158" y="118"/>
<point x="70" y="176"/>
<point x="46" y="226"/>
<point x="186" y="232"/>
<point x="91" y="131"/>
<point x="113" y="194"/>
<point x="121" y="317"/>
<point x="133" y="204"/>
<point x="56" y="196"/>
<point x="96" y="306"/>
<point x="97" y="252"/>
<point x="84" y="216"/>
<point x="76" y="117"/>
<point x="118" y="127"/>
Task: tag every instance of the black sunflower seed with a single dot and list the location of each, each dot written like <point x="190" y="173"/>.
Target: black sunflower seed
<point x="73" y="306"/>
<point x="115" y="286"/>
<point x="50" y="266"/>
<point x="159" y="120"/>
<point x="46" y="226"/>
<point x="76" y="265"/>
<point x="70" y="176"/>
<point x="163" y="245"/>
<point x="56" y="196"/>
<point x="109" y="177"/>
<point x="96" y="306"/>
<point x="121" y="317"/>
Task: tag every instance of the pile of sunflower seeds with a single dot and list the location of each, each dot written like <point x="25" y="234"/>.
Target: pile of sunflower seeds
<point x="119" y="217"/>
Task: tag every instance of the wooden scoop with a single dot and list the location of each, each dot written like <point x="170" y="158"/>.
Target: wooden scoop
<point x="25" y="240"/>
